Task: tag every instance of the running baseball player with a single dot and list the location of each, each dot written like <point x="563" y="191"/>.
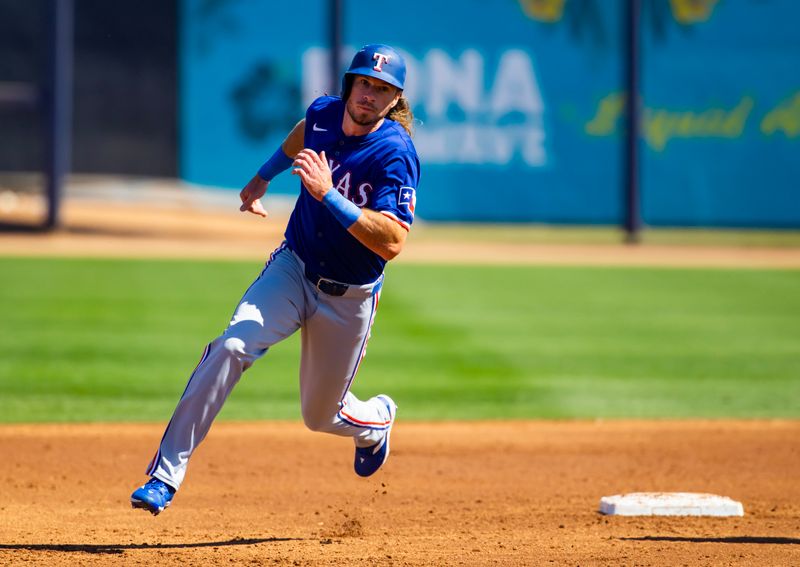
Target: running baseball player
<point x="359" y="172"/>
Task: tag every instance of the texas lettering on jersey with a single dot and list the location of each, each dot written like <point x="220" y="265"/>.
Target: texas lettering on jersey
<point x="343" y="183"/>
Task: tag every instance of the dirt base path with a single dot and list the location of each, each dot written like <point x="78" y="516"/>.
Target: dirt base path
<point x="180" y="229"/>
<point x="519" y="493"/>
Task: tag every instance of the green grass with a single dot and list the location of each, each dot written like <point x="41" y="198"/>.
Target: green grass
<point x="115" y="340"/>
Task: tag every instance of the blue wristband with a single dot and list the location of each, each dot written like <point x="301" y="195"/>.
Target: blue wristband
<point x="274" y="165"/>
<point x="346" y="212"/>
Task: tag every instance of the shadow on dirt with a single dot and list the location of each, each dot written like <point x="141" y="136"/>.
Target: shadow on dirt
<point x="734" y="539"/>
<point x="113" y="549"/>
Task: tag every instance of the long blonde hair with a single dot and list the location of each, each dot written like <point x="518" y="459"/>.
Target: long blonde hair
<point x="402" y="114"/>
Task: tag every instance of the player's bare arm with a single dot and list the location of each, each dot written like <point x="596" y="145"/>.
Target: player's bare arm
<point x="377" y="232"/>
<point x="295" y="141"/>
<point x="256" y="188"/>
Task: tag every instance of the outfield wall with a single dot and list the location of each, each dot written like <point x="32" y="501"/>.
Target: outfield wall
<point x="124" y="87"/>
<point x="520" y="104"/>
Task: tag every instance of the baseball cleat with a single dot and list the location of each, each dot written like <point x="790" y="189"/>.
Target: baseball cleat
<point x="154" y="496"/>
<point x="370" y="459"/>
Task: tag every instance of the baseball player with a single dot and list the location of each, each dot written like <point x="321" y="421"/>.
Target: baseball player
<point x="359" y="173"/>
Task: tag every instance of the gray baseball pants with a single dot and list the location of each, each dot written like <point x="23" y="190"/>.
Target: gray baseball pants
<point x="334" y="330"/>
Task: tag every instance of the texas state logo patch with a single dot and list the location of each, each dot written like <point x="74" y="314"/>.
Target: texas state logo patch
<point x="407" y="197"/>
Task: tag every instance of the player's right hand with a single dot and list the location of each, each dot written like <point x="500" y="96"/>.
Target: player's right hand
<point x="251" y="196"/>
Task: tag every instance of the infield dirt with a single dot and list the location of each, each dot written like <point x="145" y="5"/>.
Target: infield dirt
<point x="179" y="227"/>
<point x="488" y="493"/>
<point x="477" y="493"/>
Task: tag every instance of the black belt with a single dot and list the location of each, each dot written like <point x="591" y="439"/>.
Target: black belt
<point x="325" y="285"/>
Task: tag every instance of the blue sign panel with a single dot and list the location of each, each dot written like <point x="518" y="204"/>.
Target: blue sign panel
<point x="721" y="121"/>
<point x="519" y="103"/>
<point x="501" y="95"/>
<point x="240" y="85"/>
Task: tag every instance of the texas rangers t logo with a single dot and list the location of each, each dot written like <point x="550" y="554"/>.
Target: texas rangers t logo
<point x="381" y="59"/>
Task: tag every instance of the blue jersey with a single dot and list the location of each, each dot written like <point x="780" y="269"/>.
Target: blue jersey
<point x="379" y="171"/>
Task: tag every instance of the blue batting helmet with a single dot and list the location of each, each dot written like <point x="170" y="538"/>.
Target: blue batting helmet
<point x="379" y="61"/>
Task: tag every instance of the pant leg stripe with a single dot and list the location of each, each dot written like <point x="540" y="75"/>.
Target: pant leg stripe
<point x="154" y="463"/>
<point x="365" y="424"/>
<point x="272" y="257"/>
<point x="363" y="350"/>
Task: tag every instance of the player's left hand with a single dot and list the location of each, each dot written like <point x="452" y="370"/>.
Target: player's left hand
<point x="314" y="171"/>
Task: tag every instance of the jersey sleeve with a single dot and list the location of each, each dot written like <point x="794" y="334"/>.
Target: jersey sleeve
<point x="319" y="104"/>
<point x="318" y="110"/>
<point x="396" y="194"/>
